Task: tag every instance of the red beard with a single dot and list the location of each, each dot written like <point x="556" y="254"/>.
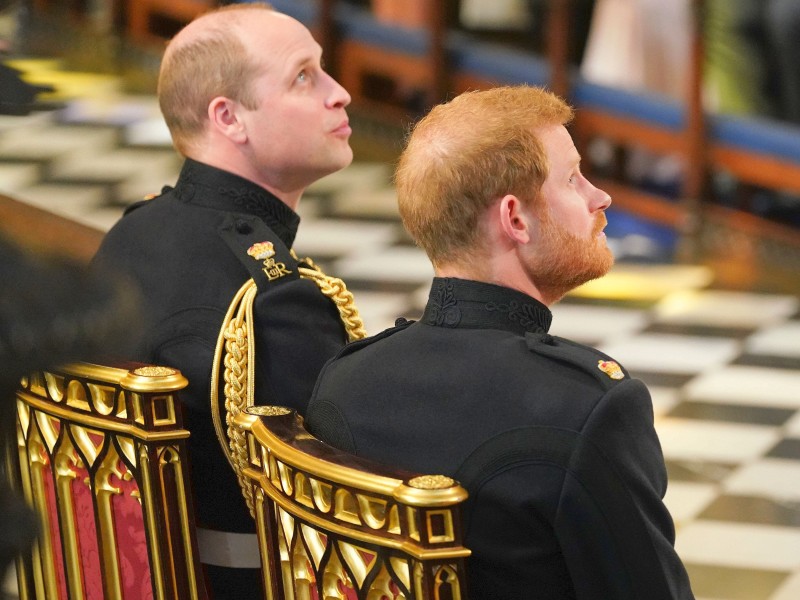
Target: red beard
<point x="561" y="261"/>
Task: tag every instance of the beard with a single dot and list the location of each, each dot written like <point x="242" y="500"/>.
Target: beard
<point x="562" y="261"/>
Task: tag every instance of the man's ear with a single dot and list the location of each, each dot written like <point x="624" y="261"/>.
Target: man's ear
<point x="515" y="219"/>
<point x="224" y="117"/>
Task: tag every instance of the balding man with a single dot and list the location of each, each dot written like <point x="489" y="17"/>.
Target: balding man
<point x="258" y="120"/>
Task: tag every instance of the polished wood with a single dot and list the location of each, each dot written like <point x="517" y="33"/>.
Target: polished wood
<point x="41" y="231"/>
<point x="140" y="13"/>
<point x="558" y="38"/>
<point x="590" y="123"/>
<point x="327" y="36"/>
<point x="406" y="72"/>
<point x="757" y="169"/>
<point x="101" y="456"/>
<point x="440" y="73"/>
<point x="330" y="520"/>
<point x="696" y="170"/>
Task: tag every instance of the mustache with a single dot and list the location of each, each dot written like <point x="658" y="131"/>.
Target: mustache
<point x="600" y="223"/>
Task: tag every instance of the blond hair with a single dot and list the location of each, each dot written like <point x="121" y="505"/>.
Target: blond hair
<point x="466" y="154"/>
<point x="212" y="62"/>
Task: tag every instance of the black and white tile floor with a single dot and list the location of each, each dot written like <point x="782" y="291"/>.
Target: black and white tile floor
<point x="723" y="367"/>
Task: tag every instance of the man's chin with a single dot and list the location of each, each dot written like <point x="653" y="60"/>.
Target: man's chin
<point x="597" y="266"/>
<point x="346" y="158"/>
<point x="337" y="163"/>
<point x="605" y="262"/>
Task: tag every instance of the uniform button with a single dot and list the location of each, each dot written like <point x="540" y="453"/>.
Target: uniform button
<point x="243" y="227"/>
<point x="185" y="192"/>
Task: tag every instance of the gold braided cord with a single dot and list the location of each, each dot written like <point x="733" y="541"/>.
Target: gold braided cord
<point x="237" y="359"/>
<point x="234" y="356"/>
<point x="240" y="388"/>
<point x="335" y="289"/>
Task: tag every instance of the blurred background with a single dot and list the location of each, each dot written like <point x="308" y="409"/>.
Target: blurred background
<point x="687" y="113"/>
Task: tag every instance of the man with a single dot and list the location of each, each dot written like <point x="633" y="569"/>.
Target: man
<point x="553" y="440"/>
<point x="258" y="120"/>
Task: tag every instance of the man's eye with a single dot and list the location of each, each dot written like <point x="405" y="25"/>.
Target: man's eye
<point x="302" y="76"/>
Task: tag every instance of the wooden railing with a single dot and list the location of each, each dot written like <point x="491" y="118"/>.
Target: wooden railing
<point x="394" y="73"/>
<point x="40" y="231"/>
<point x="437" y="63"/>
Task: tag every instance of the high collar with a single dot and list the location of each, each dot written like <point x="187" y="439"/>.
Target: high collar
<point x="204" y="185"/>
<point x="463" y="304"/>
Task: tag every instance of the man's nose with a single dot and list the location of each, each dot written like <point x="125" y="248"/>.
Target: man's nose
<point x="338" y="96"/>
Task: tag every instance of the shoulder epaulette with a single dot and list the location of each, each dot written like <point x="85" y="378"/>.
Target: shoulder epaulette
<point x="146" y="199"/>
<point x="259" y="249"/>
<point x="356" y="345"/>
<point x="602" y="367"/>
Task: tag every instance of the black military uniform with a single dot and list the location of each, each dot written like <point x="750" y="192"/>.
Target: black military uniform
<point x="191" y="249"/>
<point x="553" y="441"/>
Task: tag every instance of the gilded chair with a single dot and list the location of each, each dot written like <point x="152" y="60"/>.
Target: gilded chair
<point x="100" y="455"/>
<point x="334" y="526"/>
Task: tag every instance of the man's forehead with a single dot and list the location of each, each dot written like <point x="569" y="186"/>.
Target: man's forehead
<point x="283" y="40"/>
<point x="241" y="21"/>
<point x="556" y="139"/>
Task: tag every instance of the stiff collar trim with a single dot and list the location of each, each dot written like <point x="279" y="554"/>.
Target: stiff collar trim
<point x="204" y="185"/>
<point x="463" y="304"/>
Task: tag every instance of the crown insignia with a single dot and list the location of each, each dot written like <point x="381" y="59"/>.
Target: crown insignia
<point x="261" y="250"/>
<point x="610" y="368"/>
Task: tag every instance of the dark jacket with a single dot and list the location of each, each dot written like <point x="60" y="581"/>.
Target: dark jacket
<point x="187" y="249"/>
<point x="553" y="441"/>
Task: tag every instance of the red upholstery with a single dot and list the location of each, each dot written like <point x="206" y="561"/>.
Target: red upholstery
<point x="102" y="458"/>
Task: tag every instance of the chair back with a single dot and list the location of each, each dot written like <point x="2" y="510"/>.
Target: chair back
<point x="332" y="525"/>
<point x="101" y="457"/>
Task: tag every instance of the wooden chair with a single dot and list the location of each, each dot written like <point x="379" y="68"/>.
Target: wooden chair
<point x="331" y="525"/>
<point x="101" y="457"/>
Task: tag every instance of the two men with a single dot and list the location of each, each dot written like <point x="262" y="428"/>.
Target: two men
<point x="258" y="120"/>
<point x="553" y="440"/>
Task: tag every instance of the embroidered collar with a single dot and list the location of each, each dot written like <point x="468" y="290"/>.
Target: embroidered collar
<point x="464" y="304"/>
<point x="207" y="186"/>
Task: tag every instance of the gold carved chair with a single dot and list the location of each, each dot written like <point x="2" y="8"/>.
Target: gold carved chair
<point x="101" y="457"/>
<point x="334" y="526"/>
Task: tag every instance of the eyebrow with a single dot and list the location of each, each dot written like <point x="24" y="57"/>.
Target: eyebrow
<point x="575" y="162"/>
<point x="298" y="65"/>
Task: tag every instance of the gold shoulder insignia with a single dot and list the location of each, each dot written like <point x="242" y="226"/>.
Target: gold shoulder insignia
<point x="610" y="368"/>
<point x="265" y="251"/>
<point x="261" y="250"/>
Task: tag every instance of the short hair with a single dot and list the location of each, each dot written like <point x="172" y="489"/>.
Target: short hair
<point x="466" y="154"/>
<point x="214" y="63"/>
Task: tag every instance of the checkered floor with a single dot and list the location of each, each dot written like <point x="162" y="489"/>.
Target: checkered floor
<point x="723" y="367"/>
